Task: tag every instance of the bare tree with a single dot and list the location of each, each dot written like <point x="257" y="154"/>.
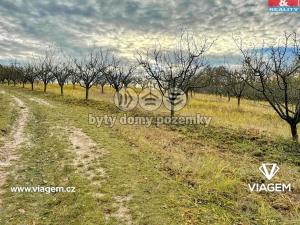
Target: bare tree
<point x="23" y="78"/>
<point x="74" y="78"/>
<point x="15" y="72"/>
<point x="2" y="74"/>
<point x="62" y="70"/>
<point x="177" y="68"/>
<point x="275" y="74"/>
<point x="90" y="68"/>
<point x="207" y="77"/>
<point x="118" y="75"/>
<point x="30" y="73"/>
<point x="45" y="67"/>
<point x="235" y="83"/>
<point x="141" y="81"/>
<point x="102" y="81"/>
<point x="6" y="74"/>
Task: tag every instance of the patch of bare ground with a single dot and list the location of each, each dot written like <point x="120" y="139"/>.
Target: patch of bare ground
<point x="88" y="155"/>
<point x="123" y="213"/>
<point x="14" y="140"/>
<point x="41" y="102"/>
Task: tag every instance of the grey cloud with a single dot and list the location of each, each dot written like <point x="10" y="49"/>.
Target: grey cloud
<point x="70" y="24"/>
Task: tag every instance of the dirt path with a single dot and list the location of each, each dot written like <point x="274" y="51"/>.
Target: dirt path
<point x="41" y="101"/>
<point x="14" y="140"/>
<point x="123" y="213"/>
<point x="87" y="154"/>
<point x="87" y="160"/>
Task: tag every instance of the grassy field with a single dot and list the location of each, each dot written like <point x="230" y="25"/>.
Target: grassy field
<point x="251" y="115"/>
<point x="7" y="116"/>
<point x="153" y="175"/>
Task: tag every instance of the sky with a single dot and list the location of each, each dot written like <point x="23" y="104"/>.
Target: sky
<point x="28" y="27"/>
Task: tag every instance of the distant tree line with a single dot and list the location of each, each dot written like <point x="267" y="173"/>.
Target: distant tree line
<point x="270" y="73"/>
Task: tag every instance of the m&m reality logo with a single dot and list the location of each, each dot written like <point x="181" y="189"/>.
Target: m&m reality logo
<point x="284" y="5"/>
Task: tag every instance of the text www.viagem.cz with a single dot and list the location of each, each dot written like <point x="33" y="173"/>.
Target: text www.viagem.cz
<point x="42" y="189"/>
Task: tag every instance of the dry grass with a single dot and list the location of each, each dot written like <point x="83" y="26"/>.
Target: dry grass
<point x="251" y="115"/>
<point x="211" y="166"/>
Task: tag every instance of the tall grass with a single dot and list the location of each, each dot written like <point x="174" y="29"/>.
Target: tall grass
<point x="255" y="116"/>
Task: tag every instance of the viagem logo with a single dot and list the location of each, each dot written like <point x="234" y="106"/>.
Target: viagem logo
<point x="269" y="173"/>
<point x="269" y="170"/>
<point x="284" y="5"/>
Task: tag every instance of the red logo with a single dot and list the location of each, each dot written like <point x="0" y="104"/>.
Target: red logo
<point x="283" y="3"/>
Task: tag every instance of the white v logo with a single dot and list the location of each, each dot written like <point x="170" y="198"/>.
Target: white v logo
<point x="269" y="174"/>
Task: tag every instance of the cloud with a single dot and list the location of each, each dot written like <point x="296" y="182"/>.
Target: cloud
<point x="27" y="27"/>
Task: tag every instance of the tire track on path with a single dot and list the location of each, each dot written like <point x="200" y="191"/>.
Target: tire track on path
<point x="41" y="101"/>
<point x="14" y="140"/>
<point x="87" y="153"/>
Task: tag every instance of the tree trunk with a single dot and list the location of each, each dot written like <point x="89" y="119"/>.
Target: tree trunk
<point x="172" y="111"/>
<point x="119" y="98"/>
<point x="45" y="87"/>
<point x="32" y="86"/>
<point x="172" y="108"/>
<point x="187" y="96"/>
<point x="23" y="85"/>
<point x="102" y="89"/>
<point x="86" y="93"/>
<point x="229" y="98"/>
<point x="294" y="131"/>
<point x="239" y="101"/>
<point x="61" y="90"/>
<point x="73" y="86"/>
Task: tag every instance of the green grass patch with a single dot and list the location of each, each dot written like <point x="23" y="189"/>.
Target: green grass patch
<point x="8" y="114"/>
<point x="183" y="174"/>
<point x="45" y="162"/>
